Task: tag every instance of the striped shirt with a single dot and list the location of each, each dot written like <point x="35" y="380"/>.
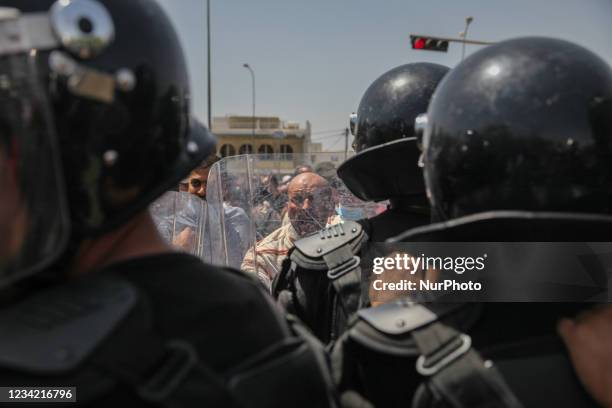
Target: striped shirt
<point x="270" y="253"/>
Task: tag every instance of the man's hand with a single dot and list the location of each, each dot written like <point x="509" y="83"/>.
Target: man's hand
<point x="588" y="338"/>
<point x="185" y="240"/>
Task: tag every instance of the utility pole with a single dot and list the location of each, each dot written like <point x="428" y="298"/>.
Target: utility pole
<point x="346" y="137"/>
<point x="468" y="21"/>
<point x="209" y="68"/>
<point x="247" y="66"/>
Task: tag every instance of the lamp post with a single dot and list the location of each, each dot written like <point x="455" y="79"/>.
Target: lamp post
<point x="247" y="66"/>
<point x="208" y="64"/>
<point x="468" y="21"/>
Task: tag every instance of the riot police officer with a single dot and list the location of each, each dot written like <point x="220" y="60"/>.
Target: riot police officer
<point x="517" y="147"/>
<point x="386" y="164"/>
<point x="323" y="284"/>
<point x="95" y="124"/>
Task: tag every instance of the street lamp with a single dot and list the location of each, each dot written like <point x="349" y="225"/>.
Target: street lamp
<point x="247" y="66"/>
<point x="209" y="90"/>
<point x="468" y="21"/>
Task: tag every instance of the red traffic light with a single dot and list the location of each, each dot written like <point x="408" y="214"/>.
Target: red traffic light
<point x="419" y="44"/>
<point x="429" y="43"/>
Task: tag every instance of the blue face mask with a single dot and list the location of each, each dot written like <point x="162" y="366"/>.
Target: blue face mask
<point x="351" y="213"/>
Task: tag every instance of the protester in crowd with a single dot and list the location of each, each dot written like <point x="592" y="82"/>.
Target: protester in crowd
<point x="237" y="226"/>
<point x="198" y="179"/>
<point x="310" y="208"/>
<point x="303" y="169"/>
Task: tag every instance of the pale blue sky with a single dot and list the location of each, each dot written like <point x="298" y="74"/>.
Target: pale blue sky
<point x="314" y="59"/>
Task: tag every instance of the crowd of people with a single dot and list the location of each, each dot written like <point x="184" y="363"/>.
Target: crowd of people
<point x="262" y="217"/>
<point x="100" y="291"/>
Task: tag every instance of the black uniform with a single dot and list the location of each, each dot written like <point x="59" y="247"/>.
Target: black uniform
<point x="95" y="97"/>
<point x="223" y="314"/>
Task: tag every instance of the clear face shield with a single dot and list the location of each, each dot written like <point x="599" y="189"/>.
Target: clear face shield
<point x="34" y="225"/>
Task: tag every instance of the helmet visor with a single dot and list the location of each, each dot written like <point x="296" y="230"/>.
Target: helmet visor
<point x="353" y="123"/>
<point x="33" y="221"/>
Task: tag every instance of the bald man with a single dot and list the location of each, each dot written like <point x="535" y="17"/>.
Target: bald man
<point x="305" y="168"/>
<point x="310" y="208"/>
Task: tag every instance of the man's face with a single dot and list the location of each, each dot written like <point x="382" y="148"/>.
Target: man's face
<point x="198" y="180"/>
<point x="310" y="203"/>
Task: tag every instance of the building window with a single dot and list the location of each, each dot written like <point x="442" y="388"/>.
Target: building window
<point x="227" y="150"/>
<point x="286" y="151"/>
<point x="245" y="149"/>
<point x="266" y="151"/>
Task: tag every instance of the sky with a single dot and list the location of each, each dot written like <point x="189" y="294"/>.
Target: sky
<point x="314" y="59"/>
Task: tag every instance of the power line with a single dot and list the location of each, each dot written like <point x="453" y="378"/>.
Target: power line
<point x="326" y="131"/>
<point x="327" y="136"/>
<point x="341" y="137"/>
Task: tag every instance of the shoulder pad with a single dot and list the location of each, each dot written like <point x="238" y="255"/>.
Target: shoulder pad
<point x="403" y="316"/>
<point x="329" y="239"/>
<point x="53" y="330"/>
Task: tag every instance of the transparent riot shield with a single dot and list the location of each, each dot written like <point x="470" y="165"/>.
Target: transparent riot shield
<point x="229" y="195"/>
<point x="181" y="221"/>
<point x="258" y="205"/>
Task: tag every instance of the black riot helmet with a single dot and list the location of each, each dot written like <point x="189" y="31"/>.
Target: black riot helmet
<point x="385" y="166"/>
<point x="525" y="124"/>
<point x="95" y="120"/>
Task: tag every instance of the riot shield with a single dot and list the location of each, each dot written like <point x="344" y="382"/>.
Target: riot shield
<point x="257" y="207"/>
<point x="181" y="221"/>
<point x="229" y="198"/>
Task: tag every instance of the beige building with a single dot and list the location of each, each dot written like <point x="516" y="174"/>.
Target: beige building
<point x="271" y="136"/>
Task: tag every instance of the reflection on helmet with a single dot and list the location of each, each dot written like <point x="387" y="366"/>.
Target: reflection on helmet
<point x="388" y="108"/>
<point x="353" y="123"/>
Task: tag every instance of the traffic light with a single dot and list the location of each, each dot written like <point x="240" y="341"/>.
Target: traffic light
<point x="428" y="43"/>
